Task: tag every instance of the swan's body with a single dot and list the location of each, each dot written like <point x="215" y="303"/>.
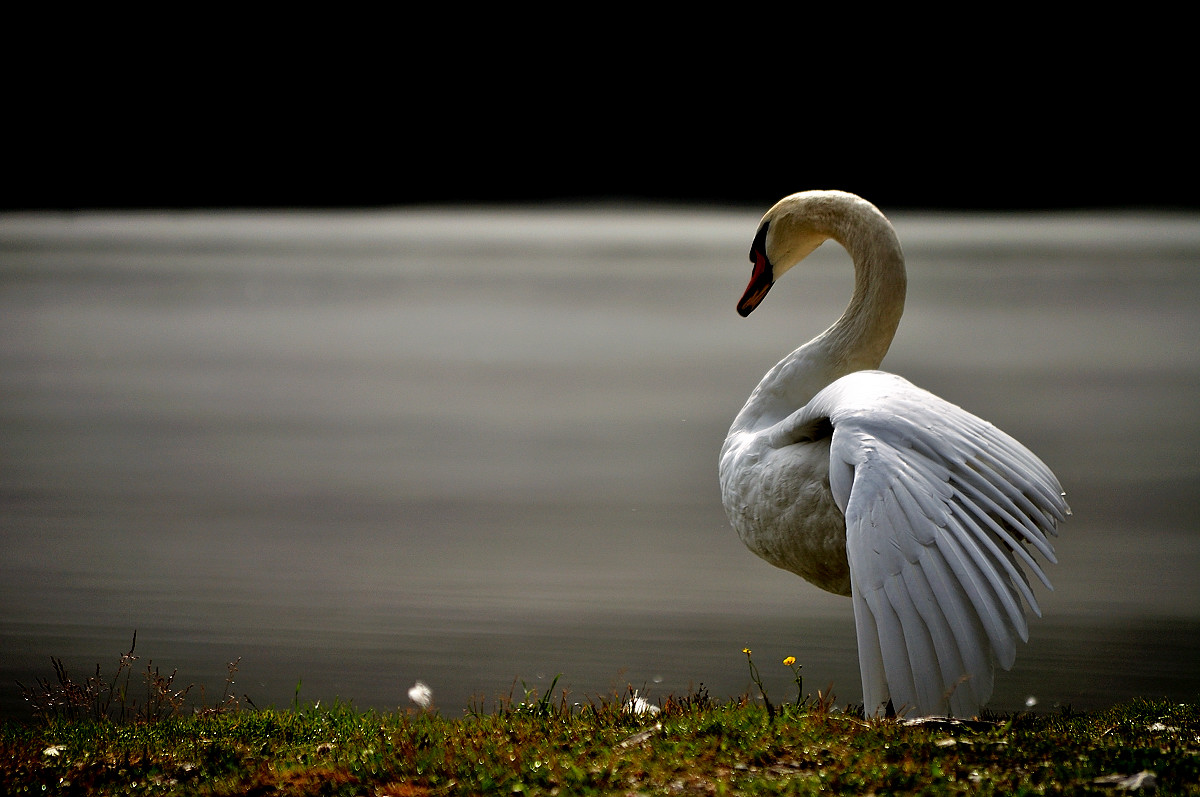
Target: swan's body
<point x="870" y="487"/>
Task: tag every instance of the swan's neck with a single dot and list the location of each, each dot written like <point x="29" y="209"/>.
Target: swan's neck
<point x="859" y="339"/>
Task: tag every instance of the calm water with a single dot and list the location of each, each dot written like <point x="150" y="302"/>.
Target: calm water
<point x="479" y="448"/>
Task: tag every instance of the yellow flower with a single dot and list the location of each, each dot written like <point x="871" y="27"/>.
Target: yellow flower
<point x="789" y="661"/>
<point x="746" y="651"/>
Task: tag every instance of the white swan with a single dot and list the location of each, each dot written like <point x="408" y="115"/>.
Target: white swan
<point x="870" y="487"/>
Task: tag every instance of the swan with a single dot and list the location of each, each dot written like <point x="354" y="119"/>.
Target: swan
<point x="865" y="485"/>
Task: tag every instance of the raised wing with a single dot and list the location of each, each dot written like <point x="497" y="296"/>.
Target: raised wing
<point x="940" y="509"/>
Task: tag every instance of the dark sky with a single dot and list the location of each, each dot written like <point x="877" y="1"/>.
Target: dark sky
<point x="427" y="157"/>
<point x="278" y="135"/>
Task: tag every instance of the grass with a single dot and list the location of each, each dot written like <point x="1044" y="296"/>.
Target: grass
<point x="549" y="744"/>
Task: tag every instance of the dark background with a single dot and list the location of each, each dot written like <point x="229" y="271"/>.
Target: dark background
<point x="468" y="108"/>
<point x="528" y="153"/>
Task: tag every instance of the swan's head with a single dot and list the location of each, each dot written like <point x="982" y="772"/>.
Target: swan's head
<point x="788" y="233"/>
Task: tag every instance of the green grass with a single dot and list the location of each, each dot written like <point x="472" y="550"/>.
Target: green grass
<point x="694" y="746"/>
<point x="109" y="737"/>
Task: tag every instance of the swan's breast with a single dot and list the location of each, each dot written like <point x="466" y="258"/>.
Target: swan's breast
<point x="779" y="502"/>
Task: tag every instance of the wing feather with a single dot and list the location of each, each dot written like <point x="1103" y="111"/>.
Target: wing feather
<point x="989" y="508"/>
<point x="974" y="581"/>
<point x="915" y="644"/>
<point x="1016" y="508"/>
<point x="970" y="682"/>
<point x="998" y="568"/>
<point x="969" y="514"/>
<point x="939" y="509"/>
<point x="946" y="645"/>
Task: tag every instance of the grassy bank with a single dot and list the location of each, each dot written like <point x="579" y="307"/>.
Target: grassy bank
<point x="550" y="746"/>
<point x="113" y="736"/>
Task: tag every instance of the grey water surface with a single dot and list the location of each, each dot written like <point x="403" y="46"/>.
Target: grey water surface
<point x="478" y="447"/>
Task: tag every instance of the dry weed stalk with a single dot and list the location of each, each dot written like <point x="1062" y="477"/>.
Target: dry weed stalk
<point x="98" y="699"/>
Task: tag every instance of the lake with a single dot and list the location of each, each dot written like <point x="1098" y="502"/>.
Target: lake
<point x="478" y="447"/>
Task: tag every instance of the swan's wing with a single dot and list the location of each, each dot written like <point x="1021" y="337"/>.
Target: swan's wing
<point x="940" y="507"/>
